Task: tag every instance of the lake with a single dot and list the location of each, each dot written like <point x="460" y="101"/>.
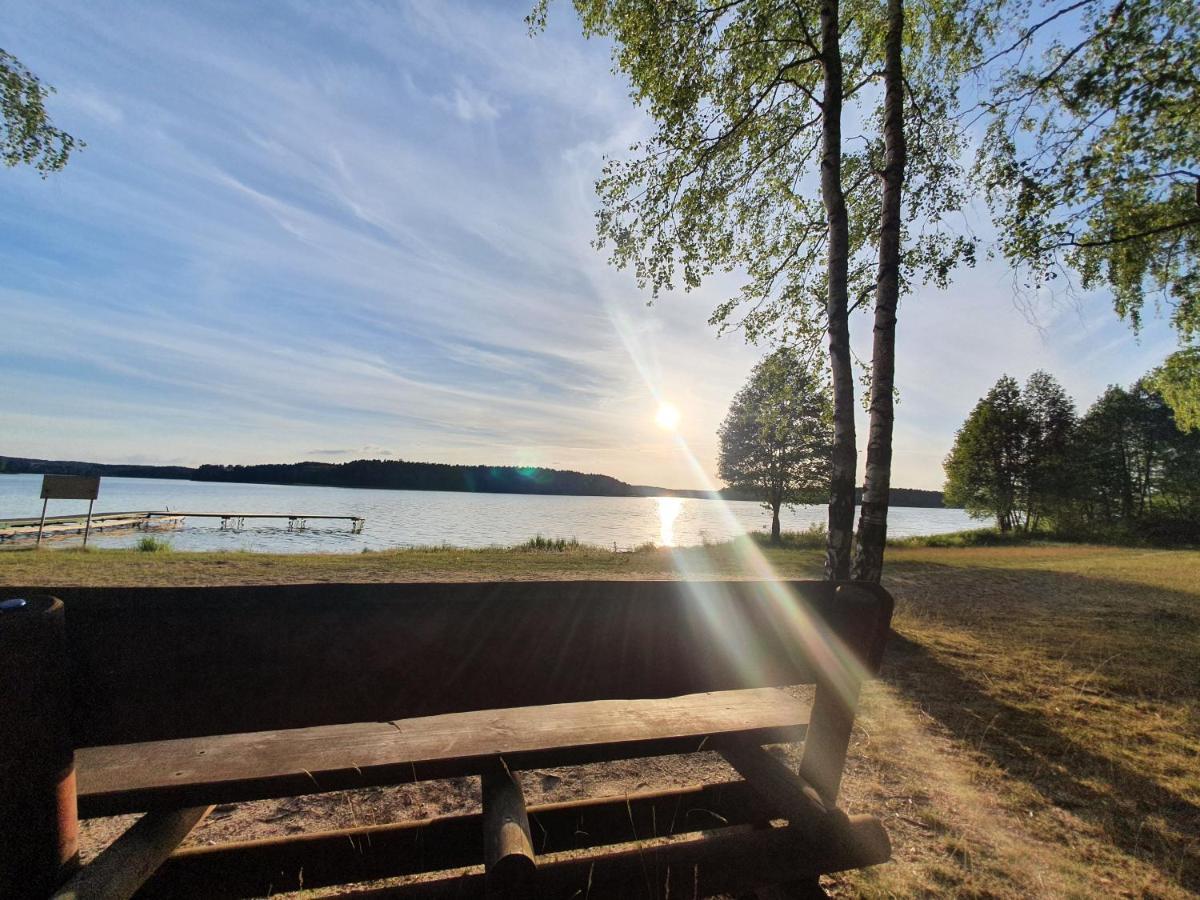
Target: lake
<point x="423" y="518"/>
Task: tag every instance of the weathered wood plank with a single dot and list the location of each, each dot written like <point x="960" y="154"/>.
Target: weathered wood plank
<point x="369" y="853"/>
<point x="227" y="768"/>
<point x="123" y="866"/>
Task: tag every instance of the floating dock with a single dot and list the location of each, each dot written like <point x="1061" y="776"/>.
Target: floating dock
<point x="150" y="520"/>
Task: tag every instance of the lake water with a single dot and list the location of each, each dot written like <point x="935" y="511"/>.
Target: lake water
<point x="423" y="518"/>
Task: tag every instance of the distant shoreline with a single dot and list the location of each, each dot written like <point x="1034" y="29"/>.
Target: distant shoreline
<point x="412" y="476"/>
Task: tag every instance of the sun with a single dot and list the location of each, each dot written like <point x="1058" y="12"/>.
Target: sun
<point x="667" y="417"/>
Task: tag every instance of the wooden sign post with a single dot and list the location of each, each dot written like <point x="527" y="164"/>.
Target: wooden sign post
<point x="69" y="487"/>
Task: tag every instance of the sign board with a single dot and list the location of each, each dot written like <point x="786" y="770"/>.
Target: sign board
<point x="70" y="487"/>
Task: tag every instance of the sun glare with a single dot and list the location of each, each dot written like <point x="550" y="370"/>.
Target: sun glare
<point x="668" y="511"/>
<point x="667" y="417"/>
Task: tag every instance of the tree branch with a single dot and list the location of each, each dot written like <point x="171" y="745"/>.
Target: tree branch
<point x="1126" y="238"/>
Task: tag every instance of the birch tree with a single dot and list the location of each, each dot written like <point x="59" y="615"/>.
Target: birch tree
<point x="877" y="477"/>
<point x="747" y="171"/>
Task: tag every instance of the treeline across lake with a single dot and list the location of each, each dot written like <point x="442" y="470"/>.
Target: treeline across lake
<point x="401" y="475"/>
<point x="20" y="465"/>
<point x="1121" y="471"/>
<point x="421" y="476"/>
<point x="411" y="476"/>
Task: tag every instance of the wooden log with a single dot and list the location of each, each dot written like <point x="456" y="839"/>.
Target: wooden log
<point x="838" y="686"/>
<point x="38" y="823"/>
<point x="726" y="861"/>
<point x="828" y="740"/>
<point x="783" y="791"/>
<point x="789" y="795"/>
<point x="275" y="865"/>
<point x="126" y="864"/>
<point x="507" y="847"/>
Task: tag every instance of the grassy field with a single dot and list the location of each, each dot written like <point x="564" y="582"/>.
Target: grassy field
<point x="1035" y="731"/>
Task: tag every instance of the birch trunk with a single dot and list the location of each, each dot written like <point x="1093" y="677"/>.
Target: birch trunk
<point x="845" y="456"/>
<point x="872" y="523"/>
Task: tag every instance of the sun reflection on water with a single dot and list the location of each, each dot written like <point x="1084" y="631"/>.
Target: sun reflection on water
<point x="668" y="511"/>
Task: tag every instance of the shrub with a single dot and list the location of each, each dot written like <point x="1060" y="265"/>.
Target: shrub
<point x="149" y="544"/>
<point x="978" y="537"/>
<point x="557" y="545"/>
<point x="815" y="537"/>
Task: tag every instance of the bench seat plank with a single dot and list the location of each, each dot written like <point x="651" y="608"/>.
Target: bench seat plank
<point x="250" y="766"/>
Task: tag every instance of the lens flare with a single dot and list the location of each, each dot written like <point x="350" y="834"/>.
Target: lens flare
<point x="840" y="670"/>
<point x="667" y="417"/>
<point x="668" y="511"/>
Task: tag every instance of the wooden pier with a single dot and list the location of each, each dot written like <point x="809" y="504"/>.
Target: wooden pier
<point x="295" y="522"/>
<point x="66" y="526"/>
<point x="147" y="520"/>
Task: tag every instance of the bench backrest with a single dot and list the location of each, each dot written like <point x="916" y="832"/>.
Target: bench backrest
<point x="155" y="663"/>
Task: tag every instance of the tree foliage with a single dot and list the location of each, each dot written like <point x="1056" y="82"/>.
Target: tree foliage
<point x="1124" y="469"/>
<point x="1012" y="457"/>
<point x="1092" y="156"/>
<point x="777" y="435"/>
<point x="983" y="470"/>
<point x="1178" y="380"/>
<point x="728" y="179"/>
<point x="1139" y="468"/>
<point x="27" y="136"/>
<point x="1050" y="422"/>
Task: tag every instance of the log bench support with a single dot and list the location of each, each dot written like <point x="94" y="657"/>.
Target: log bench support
<point x="507" y="845"/>
<point x="38" y="823"/>
<point x="595" y="672"/>
<point x="126" y="864"/>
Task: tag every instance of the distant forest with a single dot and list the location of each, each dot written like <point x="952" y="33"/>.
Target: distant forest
<point x="407" y="476"/>
<point x="16" y="465"/>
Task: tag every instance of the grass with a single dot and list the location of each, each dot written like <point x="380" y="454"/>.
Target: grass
<point x="150" y="544"/>
<point x="558" y="545"/>
<point x="1035" y="731"/>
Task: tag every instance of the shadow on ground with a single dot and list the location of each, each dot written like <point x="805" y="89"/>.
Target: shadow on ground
<point x="1076" y="618"/>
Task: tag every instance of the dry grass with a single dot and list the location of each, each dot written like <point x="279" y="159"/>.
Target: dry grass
<point x="71" y="567"/>
<point x="1035" y="732"/>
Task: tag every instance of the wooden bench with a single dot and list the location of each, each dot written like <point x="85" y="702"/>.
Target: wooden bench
<point x="172" y="700"/>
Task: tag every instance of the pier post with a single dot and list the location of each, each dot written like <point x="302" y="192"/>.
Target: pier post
<point x="87" y="528"/>
<point x="42" y="523"/>
<point x="39" y="825"/>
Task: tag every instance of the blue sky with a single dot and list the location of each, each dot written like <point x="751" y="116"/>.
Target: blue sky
<point x="326" y="231"/>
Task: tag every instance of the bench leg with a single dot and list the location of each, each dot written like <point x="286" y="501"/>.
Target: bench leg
<point x="39" y="827"/>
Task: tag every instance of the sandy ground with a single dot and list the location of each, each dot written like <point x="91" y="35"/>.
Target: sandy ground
<point x="427" y="799"/>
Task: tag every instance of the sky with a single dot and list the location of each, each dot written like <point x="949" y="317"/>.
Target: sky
<point x="333" y="231"/>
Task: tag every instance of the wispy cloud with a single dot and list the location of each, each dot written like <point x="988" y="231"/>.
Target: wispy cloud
<point x="367" y="226"/>
<point x="369" y="451"/>
<point x="469" y="103"/>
